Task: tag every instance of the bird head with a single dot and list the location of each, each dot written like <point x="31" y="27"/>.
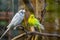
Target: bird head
<point x="22" y="12"/>
<point x="32" y="16"/>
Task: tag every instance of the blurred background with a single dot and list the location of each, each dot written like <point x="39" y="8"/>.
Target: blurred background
<point x="46" y="11"/>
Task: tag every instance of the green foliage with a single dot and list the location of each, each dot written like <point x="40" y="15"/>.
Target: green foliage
<point x="58" y="10"/>
<point x="50" y="1"/>
<point x="50" y="17"/>
<point x="50" y="8"/>
<point x="51" y="5"/>
<point x="3" y="22"/>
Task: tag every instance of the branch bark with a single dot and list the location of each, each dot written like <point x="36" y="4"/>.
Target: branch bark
<point x="36" y="33"/>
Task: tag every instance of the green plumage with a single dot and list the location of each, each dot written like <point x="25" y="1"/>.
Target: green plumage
<point x="32" y="21"/>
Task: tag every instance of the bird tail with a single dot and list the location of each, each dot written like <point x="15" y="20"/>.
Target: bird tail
<point x="4" y="33"/>
<point x="42" y="27"/>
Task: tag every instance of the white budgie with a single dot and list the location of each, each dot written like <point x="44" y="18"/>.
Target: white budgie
<point x="17" y="19"/>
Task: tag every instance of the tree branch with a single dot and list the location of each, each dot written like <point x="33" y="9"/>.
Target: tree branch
<point x="36" y="33"/>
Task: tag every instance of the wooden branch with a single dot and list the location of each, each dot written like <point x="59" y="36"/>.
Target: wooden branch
<point x="37" y="8"/>
<point x="36" y="33"/>
<point x="29" y="5"/>
<point x="19" y="36"/>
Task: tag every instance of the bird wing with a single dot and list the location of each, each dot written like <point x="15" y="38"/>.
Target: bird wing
<point x="39" y="25"/>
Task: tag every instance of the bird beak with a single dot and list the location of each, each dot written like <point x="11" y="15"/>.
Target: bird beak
<point x="24" y="11"/>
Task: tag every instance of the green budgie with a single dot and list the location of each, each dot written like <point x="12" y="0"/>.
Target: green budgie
<point x="34" y="23"/>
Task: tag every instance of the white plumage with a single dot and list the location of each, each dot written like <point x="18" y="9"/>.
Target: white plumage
<point x="17" y="19"/>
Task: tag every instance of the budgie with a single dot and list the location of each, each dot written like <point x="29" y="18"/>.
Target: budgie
<point x="16" y="20"/>
<point x="34" y="22"/>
